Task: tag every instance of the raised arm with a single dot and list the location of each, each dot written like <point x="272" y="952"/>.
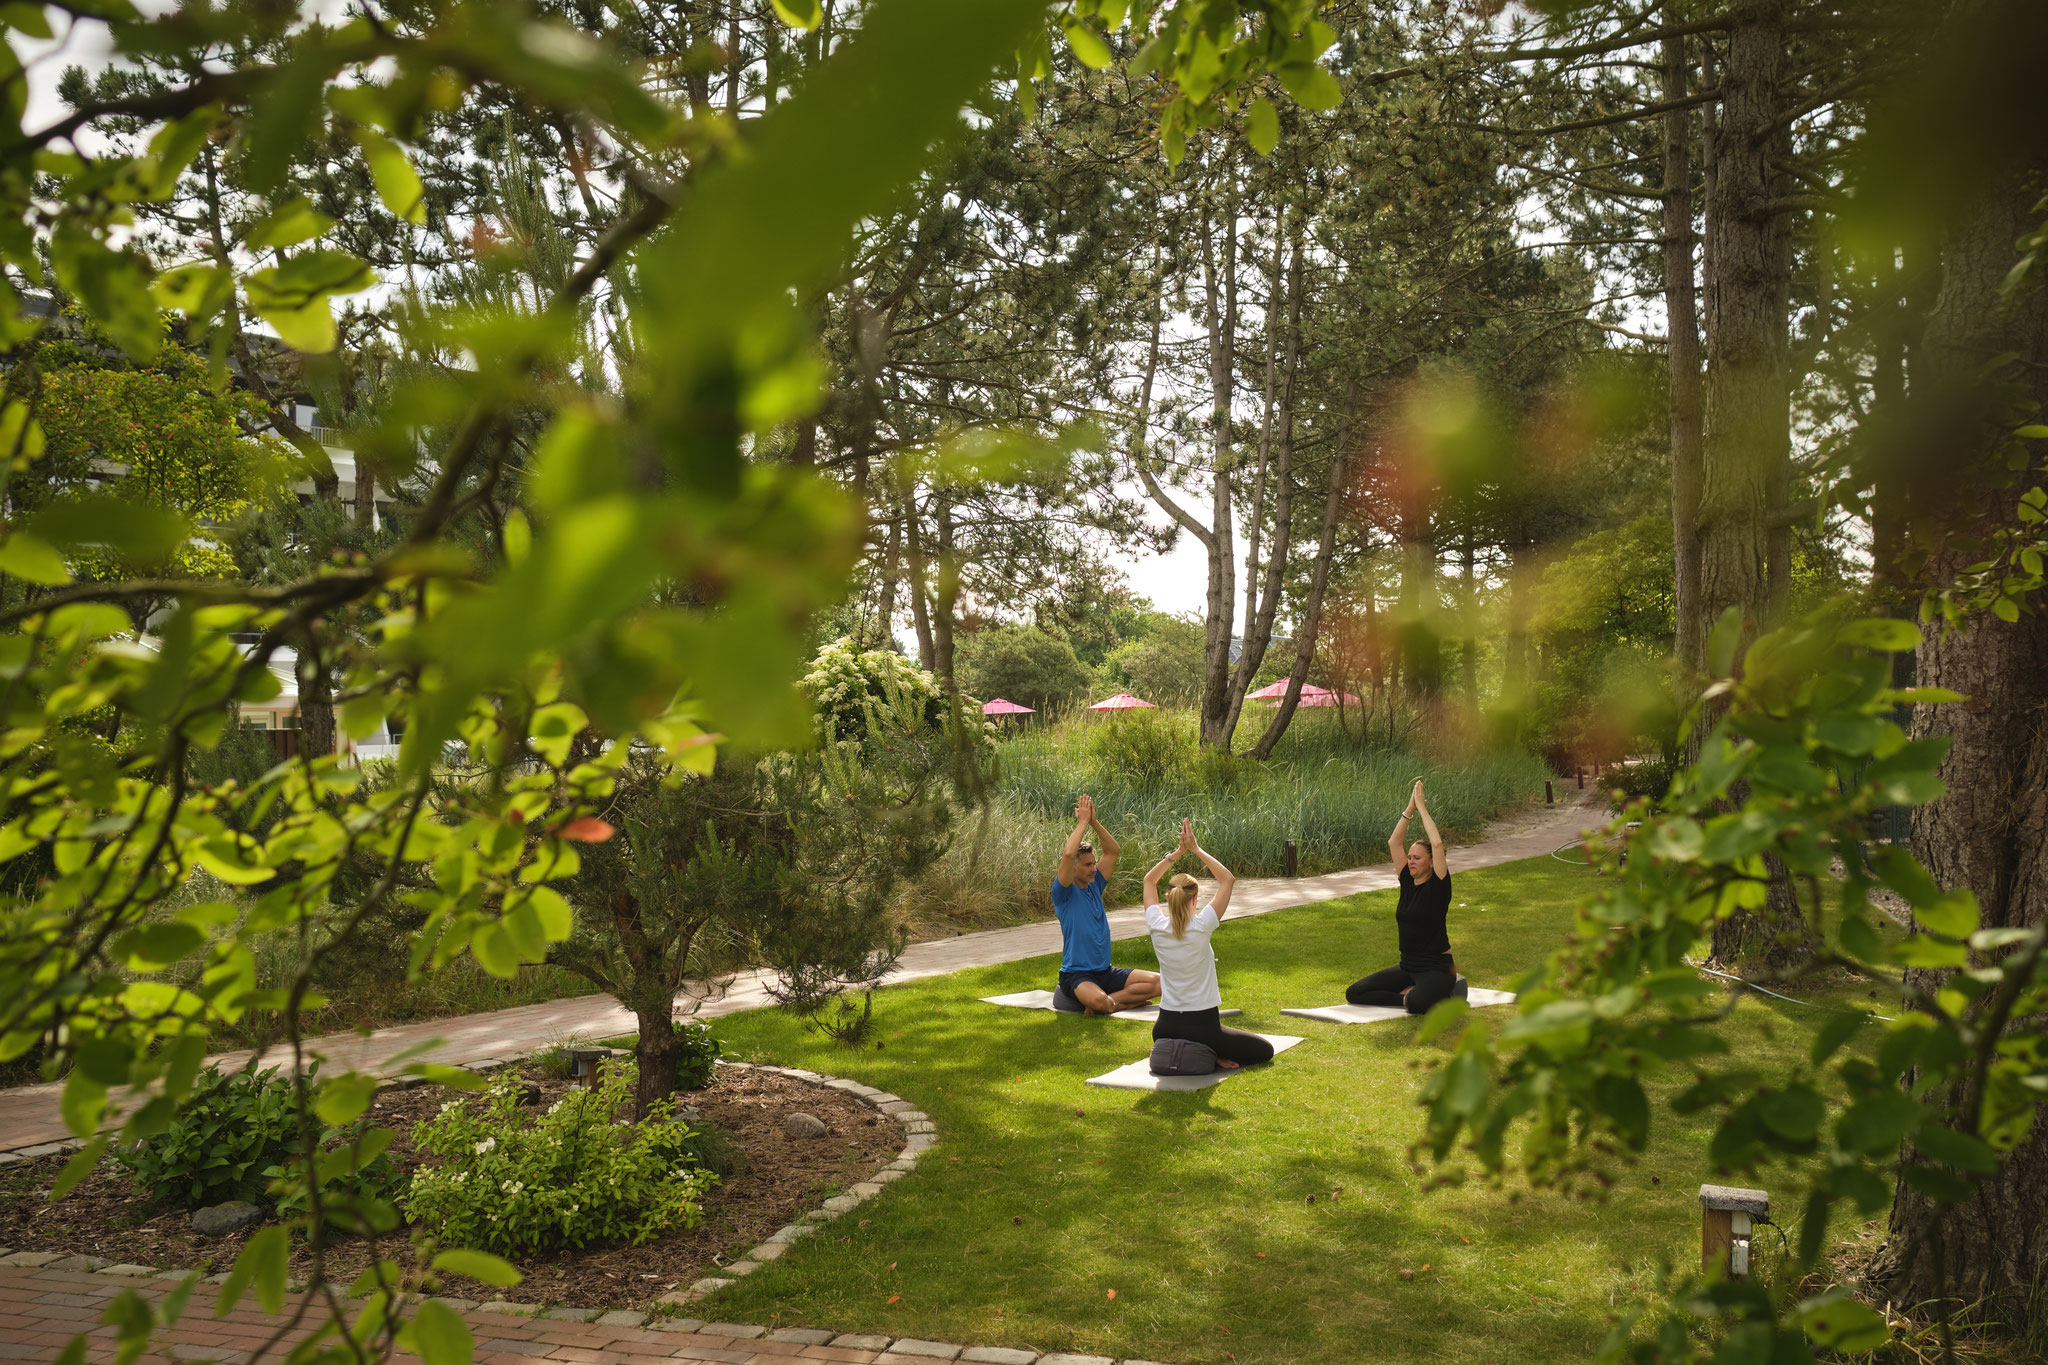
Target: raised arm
<point x="1436" y="840"/>
<point x="1397" y="842"/>
<point x="1083" y="815"/>
<point x="1226" y="880"/>
<point x="1159" y="869"/>
<point x="1106" y="846"/>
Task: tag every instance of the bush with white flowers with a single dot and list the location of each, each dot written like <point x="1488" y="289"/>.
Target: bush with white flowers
<point x="845" y="682"/>
<point x="576" y="1176"/>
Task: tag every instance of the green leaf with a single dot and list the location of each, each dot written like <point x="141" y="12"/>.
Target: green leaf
<point x="224" y="859"/>
<point x="361" y="715"/>
<point x="495" y="951"/>
<point x="264" y="1261"/>
<point x="1312" y="86"/>
<point x="342" y="1099"/>
<point x="398" y="184"/>
<point x="153" y="947"/>
<point x="137" y="532"/>
<point x="82" y="1164"/>
<point x="1935" y="1183"/>
<point x="1088" y="46"/>
<point x="1678" y="839"/>
<point x="287" y="112"/>
<point x="1841" y="1323"/>
<point x="1878" y="1124"/>
<point x="556" y="919"/>
<point x="1795" y="1112"/>
<point x="1262" y="126"/>
<point x="1836" y="1031"/>
<point x="1886" y="633"/>
<point x="1955" y="913"/>
<point x="114" y="287"/>
<point x="478" y="1265"/>
<point x="1951" y="1148"/>
<point x="799" y="14"/>
<point x="1924" y="950"/>
<point x="1621" y="1101"/>
<point x="293" y="295"/>
<point x="1722" y="642"/>
<point x="1465" y="1084"/>
<point x="440" y="1336"/>
<point x="32" y="558"/>
<point x="1442" y="1016"/>
<point x="290" y="223"/>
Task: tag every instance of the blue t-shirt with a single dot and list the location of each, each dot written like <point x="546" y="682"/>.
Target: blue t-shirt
<point x="1084" y="925"/>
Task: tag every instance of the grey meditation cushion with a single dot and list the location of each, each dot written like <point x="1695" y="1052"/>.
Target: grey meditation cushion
<point x="1065" y="1003"/>
<point x="1462" y="988"/>
<point x="1182" y="1057"/>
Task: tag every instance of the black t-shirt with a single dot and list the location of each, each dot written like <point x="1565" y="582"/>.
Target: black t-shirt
<point x="1424" y="907"/>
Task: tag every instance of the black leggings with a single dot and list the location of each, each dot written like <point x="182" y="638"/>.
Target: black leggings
<point x="1384" y="988"/>
<point x="1206" y="1026"/>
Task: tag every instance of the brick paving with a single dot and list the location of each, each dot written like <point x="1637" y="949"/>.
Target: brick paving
<point x="42" y="1308"/>
<point x="30" y="1121"/>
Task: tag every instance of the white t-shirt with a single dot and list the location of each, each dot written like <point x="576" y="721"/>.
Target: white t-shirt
<point x="1187" y="966"/>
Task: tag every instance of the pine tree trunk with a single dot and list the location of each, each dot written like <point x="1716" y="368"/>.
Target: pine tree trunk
<point x="1682" y="357"/>
<point x="1990" y="832"/>
<point x="1747" y="433"/>
<point x="1263" y="604"/>
<point x="366" y="495"/>
<point x="1312" y="614"/>
<point x="316" y="707"/>
<point x="1220" y="307"/>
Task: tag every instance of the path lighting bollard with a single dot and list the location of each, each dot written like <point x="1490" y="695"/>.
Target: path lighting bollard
<point x="1293" y="857"/>
<point x="585" y="1062"/>
<point x="1727" y="1213"/>
<point x="1548" y="798"/>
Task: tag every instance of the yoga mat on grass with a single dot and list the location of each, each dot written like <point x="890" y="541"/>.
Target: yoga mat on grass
<point x="1042" y="1000"/>
<point x="1479" y="997"/>
<point x="1138" y="1075"/>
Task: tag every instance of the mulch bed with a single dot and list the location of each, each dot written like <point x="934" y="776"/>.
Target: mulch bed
<point x="778" y="1179"/>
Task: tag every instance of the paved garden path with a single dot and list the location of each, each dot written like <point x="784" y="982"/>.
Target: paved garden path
<point x="29" y="1117"/>
<point x="43" y="1306"/>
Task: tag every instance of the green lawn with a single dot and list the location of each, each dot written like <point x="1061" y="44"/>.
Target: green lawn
<point x="1215" y="1216"/>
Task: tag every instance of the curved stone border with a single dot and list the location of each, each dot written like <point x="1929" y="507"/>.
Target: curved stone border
<point x="922" y="1133"/>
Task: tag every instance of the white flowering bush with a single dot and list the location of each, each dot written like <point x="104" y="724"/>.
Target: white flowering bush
<point x="844" y="683"/>
<point x="574" y="1177"/>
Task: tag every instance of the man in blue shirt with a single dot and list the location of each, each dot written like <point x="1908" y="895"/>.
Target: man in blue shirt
<point x="1085" y="974"/>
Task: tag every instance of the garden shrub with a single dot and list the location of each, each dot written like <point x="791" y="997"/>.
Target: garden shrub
<point x="713" y="1149"/>
<point x="1141" y="750"/>
<point x="574" y="1177"/>
<point x="222" y="1143"/>
<point x="697" y="1061"/>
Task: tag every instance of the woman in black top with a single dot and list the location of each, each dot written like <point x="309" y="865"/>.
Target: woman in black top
<point x="1426" y="974"/>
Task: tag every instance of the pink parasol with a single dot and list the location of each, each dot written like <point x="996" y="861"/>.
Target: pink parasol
<point x="1323" y="697"/>
<point x="1000" y="707"/>
<point x="1275" y="691"/>
<point x="1124" y="701"/>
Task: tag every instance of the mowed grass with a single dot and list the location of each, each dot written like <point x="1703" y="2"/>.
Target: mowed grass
<point x="1265" y="1219"/>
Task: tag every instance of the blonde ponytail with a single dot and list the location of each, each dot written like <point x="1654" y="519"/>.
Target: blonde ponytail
<point x="1180" y="902"/>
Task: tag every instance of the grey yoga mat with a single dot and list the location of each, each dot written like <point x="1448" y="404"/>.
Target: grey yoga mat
<point x="1138" y="1075"/>
<point x="1042" y="1000"/>
<point x="1479" y="997"/>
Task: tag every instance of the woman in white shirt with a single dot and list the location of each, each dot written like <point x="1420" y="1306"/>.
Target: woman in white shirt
<point x="1189" y="1001"/>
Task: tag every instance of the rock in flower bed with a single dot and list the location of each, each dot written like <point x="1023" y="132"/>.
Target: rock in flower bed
<point x="774" y="1179"/>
